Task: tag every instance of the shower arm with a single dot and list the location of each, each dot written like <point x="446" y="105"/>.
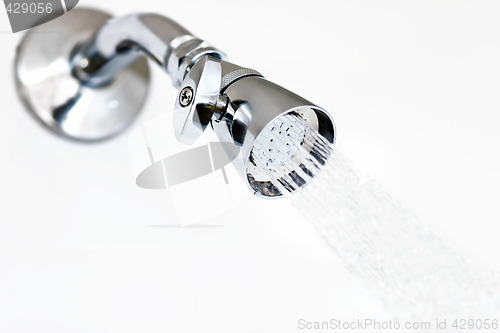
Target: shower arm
<point x="122" y="40"/>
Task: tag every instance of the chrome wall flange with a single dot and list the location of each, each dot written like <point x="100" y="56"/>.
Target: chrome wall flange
<point x="61" y="101"/>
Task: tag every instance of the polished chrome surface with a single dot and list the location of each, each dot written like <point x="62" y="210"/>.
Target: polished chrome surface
<point x="184" y="52"/>
<point x="122" y="40"/>
<point x="208" y="77"/>
<point x="254" y="102"/>
<point x="61" y="101"/>
<point x="240" y="103"/>
<point x="191" y="120"/>
<point x="89" y="80"/>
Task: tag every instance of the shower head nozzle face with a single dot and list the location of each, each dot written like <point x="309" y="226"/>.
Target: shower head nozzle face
<point x="286" y="155"/>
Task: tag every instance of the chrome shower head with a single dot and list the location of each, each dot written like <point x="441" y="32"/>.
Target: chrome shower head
<point x="102" y="80"/>
<point x="243" y="108"/>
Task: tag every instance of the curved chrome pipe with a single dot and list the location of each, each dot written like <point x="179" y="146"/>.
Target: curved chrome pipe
<point x="123" y="40"/>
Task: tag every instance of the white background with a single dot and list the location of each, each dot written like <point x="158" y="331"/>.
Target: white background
<point x="413" y="87"/>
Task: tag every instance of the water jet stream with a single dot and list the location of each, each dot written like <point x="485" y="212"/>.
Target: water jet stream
<point x="413" y="271"/>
